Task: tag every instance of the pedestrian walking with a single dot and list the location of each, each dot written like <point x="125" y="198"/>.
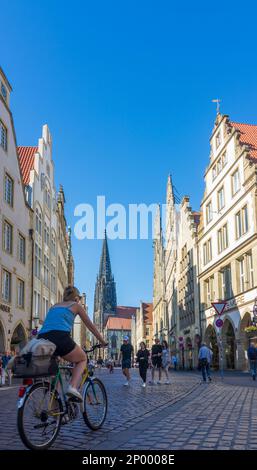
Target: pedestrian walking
<point x="252" y="357"/>
<point x="126" y="352"/>
<point x="174" y="362"/>
<point x="205" y="359"/>
<point x="156" y="359"/>
<point x="143" y="361"/>
<point x="166" y="360"/>
<point x="5" y="371"/>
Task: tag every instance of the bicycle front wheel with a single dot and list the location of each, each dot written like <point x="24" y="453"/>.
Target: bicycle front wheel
<point x="39" y="419"/>
<point x="95" y="404"/>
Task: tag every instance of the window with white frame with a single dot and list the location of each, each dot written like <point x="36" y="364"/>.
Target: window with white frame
<point x="46" y="271"/>
<point x="21" y="249"/>
<point x="249" y="270"/>
<point x="6" y="285"/>
<point x="207" y="252"/>
<point x="37" y="304"/>
<point x="209" y="213"/>
<point x="241" y="274"/>
<point x="222" y="238"/>
<point x="53" y="244"/>
<point x="219" y="166"/>
<point x="214" y="172"/>
<point x="45" y="306"/>
<point x="3" y="136"/>
<point x="226" y="291"/>
<point x="209" y="290"/>
<point x="221" y="199"/>
<point x="8" y="189"/>
<point x="46" y="234"/>
<point x="235" y="182"/>
<point x="53" y="278"/>
<point x="38" y="222"/>
<point x="7" y="237"/>
<point x="20" y="293"/>
<point x="38" y="261"/>
<point x="241" y="219"/>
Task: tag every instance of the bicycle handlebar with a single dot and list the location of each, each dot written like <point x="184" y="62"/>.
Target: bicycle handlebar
<point x="96" y="346"/>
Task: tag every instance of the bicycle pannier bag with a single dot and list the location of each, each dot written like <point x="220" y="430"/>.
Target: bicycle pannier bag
<point x="30" y="366"/>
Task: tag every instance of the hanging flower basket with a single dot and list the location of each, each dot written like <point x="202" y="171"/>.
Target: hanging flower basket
<point x="251" y="331"/>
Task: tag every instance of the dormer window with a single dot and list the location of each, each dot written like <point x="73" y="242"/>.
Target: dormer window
<point x="218" y="140"/>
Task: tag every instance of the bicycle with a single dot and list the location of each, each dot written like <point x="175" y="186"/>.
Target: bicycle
<point x="42" y="409"/>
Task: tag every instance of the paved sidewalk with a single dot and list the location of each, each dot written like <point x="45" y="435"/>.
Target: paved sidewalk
<point x="183" y="415"/>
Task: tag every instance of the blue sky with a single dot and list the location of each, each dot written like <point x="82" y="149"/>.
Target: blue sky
<point x="126" y="89"/>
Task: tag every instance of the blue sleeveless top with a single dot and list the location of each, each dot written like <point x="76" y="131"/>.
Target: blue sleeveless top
<point x="58" y="318"/>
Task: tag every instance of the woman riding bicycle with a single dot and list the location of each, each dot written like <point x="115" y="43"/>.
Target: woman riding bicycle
<point x="57" y="328"/>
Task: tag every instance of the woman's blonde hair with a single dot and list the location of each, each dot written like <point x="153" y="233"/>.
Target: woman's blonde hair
<point x="70" y="293"/>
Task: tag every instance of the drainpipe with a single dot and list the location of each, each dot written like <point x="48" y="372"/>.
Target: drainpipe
<point x="31" y="234"/>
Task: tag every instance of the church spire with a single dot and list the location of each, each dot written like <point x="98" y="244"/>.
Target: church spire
<point x="105" y="270"/>
<point x="105" y="301"/>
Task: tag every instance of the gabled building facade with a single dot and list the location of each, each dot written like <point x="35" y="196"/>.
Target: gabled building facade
<point x="38" y="178"/>
<point x="188" y="319"/>
<point x="228" y="239"/>
<point x="160" y="317"/>
<point x="15" y="236"/>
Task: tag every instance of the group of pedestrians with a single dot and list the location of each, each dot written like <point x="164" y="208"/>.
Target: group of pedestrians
<point x="159" y="360"/>
<point x="5" y="373"/>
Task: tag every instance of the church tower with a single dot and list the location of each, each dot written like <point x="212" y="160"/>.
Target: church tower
<point x="105" y="301"/>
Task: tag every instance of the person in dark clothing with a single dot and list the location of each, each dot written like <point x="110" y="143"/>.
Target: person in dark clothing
<point x="126" y="351"/>
<point x="252" y="357"/>
<point x="156" y="358"/>
<point x="143" y="359"/>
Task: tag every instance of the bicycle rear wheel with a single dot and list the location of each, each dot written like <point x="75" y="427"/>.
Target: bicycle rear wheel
<point x="39" y="418"/>
<point x="95" y="404"/>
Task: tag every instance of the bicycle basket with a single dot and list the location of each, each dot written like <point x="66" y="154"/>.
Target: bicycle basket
<point x="29" y="366"/>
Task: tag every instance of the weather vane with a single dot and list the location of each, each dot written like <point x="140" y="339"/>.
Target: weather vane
<point x="217" y="101"/>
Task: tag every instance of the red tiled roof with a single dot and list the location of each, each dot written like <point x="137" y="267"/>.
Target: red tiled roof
<point x="116" y="323"/>
<point x="248" y="136"/>
<point x="147" y="312"/>
<point x="125" y="312"/>
<point x="27" y="158"/>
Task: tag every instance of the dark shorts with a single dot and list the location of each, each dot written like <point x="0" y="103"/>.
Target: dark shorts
<point x="126" y="364"/>
<point x="157" y="362"/>
<point x="62" y="339"/>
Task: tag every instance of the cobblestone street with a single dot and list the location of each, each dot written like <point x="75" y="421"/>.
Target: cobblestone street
<point x="183" y="415"/>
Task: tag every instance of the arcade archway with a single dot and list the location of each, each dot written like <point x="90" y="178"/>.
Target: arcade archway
<point x="19" y="339"/>
<point x="229" y="345"/>
<point x="244" y="342"/>
<point x="210" y="339"/>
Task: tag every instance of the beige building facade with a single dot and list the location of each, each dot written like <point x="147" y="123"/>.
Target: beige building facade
<point x="15" y="235"/>
<point x="188" y="324"/>
<point x="38" y="178"/>
<point x="160" y="320"/>
<point x="228" y="240"/>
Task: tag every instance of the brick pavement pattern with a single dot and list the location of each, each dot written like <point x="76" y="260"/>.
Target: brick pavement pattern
<point x="183" y="415"/>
